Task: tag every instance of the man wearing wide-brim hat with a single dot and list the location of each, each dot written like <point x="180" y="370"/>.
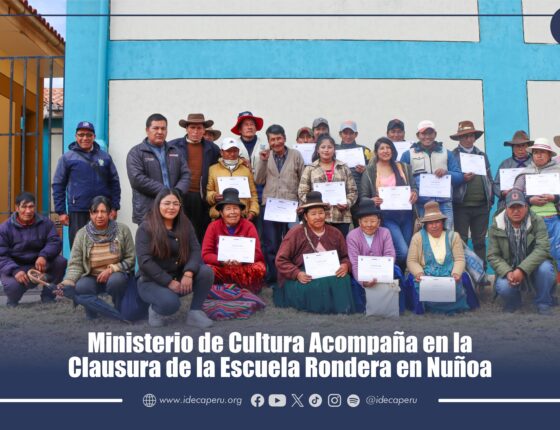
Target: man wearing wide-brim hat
<point x="520" y="158"/>
<point x="545" y="205"/>
<point x="473" y="199"/>
<point x="212" y="135"/>
<point x="250" y="144"/>
<point x="199" y="154"/>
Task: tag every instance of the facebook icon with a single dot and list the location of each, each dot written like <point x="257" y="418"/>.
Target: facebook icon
<point x="257" y="400"/>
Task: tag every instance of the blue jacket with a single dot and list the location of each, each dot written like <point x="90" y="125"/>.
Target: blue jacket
<point x="22" y="245"/>
<point x="77" y="181"/>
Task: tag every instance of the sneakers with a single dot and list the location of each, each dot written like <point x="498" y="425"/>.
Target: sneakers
<point x="197" y="318"/>
<point x="155" y="319"/>
<point x="11" y="304"/>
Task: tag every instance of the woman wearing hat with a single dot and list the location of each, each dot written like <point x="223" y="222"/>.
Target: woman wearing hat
<point x="169" y="263"/>
<point x="385" y="171"/>
<point x="332" y="294"/>
<point x="544" y="205"/>
<point x="434" y="251"/>
<point x="520" y="158"/>
<point x="230" y="223"/>
<point x="325" y="168"/>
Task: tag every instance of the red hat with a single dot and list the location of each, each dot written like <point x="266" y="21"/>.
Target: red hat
<point x="242" y="117"/>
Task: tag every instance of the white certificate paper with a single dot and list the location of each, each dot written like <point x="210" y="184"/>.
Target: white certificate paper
<point x="380" y="268"/>
<point x="402" y="147"/>
<point x="240" y="249"/>
<point x="240" y="183"/>
<point x="437" y="289"/>
<point x="321" y="264"/>
<point x="306" y="150"/>
<point x="507" y="177"/>
<point x="543" y="183"/>
<point x="332" y="192"/>
<point x="352" y="157"/>
<point x="395" y="198"/>
<point x="473" y="163"/>
<point x="279" y="210"/>
<point x="432" y="186"/>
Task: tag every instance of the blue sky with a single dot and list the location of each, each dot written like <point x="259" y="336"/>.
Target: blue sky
<point x="52" y="6"/>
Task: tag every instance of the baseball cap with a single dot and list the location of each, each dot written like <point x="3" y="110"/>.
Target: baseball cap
<point x="395" y="123"/>
<point x="349" y="124"/>
<point x="515" y="197"/>
<point x="228" y="143"/>
<point x="85" y="125"/>
<point x="304" y="129"/>
<point x="424" y="125"/>
<point x="318" y="121"/>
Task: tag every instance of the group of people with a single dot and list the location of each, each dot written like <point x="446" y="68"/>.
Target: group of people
<point x="191" y="193"/>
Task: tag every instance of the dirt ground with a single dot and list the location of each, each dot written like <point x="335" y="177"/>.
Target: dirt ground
<point x="57" y="331"/>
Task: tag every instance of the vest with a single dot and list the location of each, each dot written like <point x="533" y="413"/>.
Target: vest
<point x="422" y="162"/>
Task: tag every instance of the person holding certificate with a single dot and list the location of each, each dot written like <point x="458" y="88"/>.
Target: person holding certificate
<point x="385" y="171"/>
<point x="473" y="199"/>
<point x="435" y="251"/>
<point x="296" y="288"/>
<point x="520" y="158"/>
<point x="279" y="169"/>
<point x="169" y="263"/>
<point x="230" y="165"/>
<point x="547" y="204"/>
<point x="230" y="224"/>
<point x="428" y="157"/>
<point x="326" y="169"/>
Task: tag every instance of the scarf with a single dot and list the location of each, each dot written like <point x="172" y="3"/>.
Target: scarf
<point x="104" y="236"/>
<point x="521" y="162"/>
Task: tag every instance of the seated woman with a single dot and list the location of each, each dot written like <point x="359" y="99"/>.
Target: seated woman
<point x="297" y="289"/>
<point x="369" y="240"/>
<point x="246" y="275"/>
<point x="169" y="263"/>
<point x="434" y="251"/>
<point x="102" y="256"/>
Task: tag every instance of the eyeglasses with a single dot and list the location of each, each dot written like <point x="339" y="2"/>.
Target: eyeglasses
<point x="82" y="135"/>
<point x="169" y="204"/>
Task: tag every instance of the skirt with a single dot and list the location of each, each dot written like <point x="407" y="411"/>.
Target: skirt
<point x="330" y="295"/>
<point x="248" y="276"/>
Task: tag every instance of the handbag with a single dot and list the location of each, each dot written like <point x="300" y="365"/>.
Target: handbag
<point x="383" y="299"/>
<point x="417" y="224"/>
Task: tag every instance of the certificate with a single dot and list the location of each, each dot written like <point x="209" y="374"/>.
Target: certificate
<point x="402" y="147"/>
<point x="436" y="289"/>
<point x="240" y="183"/>
<point x="432" y="186"/>
<point x="240" y="249"/>
<point x="380" y="268"/>
<point x="543" y="183"/>
<point x="306" y="150"/>
<point x="352" y="157"/>
<point x="507" y="177"/>
<point x="332" y="192"/>
<point x="395" y="198"/>
<point x="279" y="210"/>
<point x="321" y="264"/>
<point x="473" y="163"/>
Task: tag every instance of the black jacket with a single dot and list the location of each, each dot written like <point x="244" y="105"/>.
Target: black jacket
<point x="146" y="180"/>
<point x="210" y="156"/>
<point x="161" y="271"/>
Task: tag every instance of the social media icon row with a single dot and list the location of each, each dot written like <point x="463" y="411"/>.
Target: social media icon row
<point x="314" y="400"/>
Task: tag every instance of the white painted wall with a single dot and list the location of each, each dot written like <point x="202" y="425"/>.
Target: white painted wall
<point x="537" y="29"/>
<point x="355" y="28"/>
<point x="292" y="103"/>
<point x="544" y="109"/>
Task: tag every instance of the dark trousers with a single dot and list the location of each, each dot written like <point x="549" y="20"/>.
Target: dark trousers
<point x="343" y="227"/>
<point x="198" y="212"/>
<point x="115" y="287"/>
<point x="76" y="221"/>
<point x="272" y="235"/>
<point x="474" y="218"/>
<point x="14" y="290"/>
<point x="166" y="302"/>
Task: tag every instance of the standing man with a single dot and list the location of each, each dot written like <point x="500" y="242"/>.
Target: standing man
<point x="305" y="135"/>
<point x="82" y="173"/>
<point x="199" y="154"/>
<point x="429" y="156"/>
<point x="246" y="128"/>
<point x="154" y="164"/>
<point x="279" y="169"/>
<point x="212" y="135"/>
<point x="29" y="241"/>
<point x="395" y="130"/>
<point x="320" y="126"/>
<point x="519" y="253"/>
<point x="473" y="199"/>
